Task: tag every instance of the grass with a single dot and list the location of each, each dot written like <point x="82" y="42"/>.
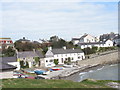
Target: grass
<point x="36" y="83"/>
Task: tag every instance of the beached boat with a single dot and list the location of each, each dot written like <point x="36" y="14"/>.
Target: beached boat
<point x="56" y="68"/>
<point x="68" y="66"/>
<point x="38" y="72"/>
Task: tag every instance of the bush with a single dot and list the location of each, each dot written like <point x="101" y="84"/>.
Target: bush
<point x="56" y="61"/>
<point x="24" y="66"/>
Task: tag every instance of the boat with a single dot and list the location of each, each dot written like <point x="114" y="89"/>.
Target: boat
<point x="56" y="69"/>
<point x="68" y="66"/>
<point x="38" y="72"/>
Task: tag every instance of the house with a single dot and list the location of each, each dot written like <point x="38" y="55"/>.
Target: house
<point x="86" y="38"/>
<point x="24" y="40"/>
<point x="11" y="61"/>
<point x="6" y="70"/>
<point x="107" y="43"/>
<point x="62" y="55"/>
<point x="116" y="41"/>
<point x="29" y="56"/>
<point x="5" y="43"/>
<point x="75" y="40"/>
<point x="110" y="36"/>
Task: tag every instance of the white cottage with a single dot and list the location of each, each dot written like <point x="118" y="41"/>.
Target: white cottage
<point x="87" y="38"/>
<point x="62" y="55"/>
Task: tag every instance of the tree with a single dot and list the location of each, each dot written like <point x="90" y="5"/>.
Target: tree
<point x="8" y="52"/>
<point x="28" y="46"/>
<point x="37" y="60"/>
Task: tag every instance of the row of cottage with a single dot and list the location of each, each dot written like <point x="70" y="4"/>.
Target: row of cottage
<point x="61" y="55"/>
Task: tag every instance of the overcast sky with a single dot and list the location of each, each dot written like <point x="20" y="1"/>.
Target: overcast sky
<point x="66" y="19"/>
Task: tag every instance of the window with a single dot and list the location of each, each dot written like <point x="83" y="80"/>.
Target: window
<point x="66" y="59"/>
<point x="72" y="58"/>
<point x="51" y="60"/>
<point x="8" y="42"/>
<point x="78" y="57"/>
<point x="46" y="60"/>
<point x="62" y="60"/>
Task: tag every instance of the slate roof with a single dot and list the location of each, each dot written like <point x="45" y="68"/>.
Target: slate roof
<point x="75" y="38"/>
<point x="30" y="54"/>
<point x="7" y="59"/>
<point x="40" y="54"/>
<point x="83" y="36"/>
<point x="65" y="51"/>
<point x="27" y="54"/>
<point x="5" y="66"/>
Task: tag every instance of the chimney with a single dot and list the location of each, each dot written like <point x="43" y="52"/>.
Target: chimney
<point x="64" y="47"/>
<point x="24" y="38"/>
<point x="49" y="48"/>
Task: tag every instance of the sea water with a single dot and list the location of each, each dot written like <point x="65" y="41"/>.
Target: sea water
<point x="108" y="72"/>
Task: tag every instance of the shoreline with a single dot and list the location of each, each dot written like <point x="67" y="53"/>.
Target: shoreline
<point x="88" y="68"/>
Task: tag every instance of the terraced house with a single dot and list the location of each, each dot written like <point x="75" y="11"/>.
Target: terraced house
<point x="62" y="55"/>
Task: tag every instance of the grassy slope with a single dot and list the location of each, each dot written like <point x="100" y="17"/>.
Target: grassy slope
<point x="33" y="83"/>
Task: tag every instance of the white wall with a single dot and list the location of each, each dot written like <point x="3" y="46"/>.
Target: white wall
<point x="62" y="57"/>
<point x="89" y="38"/>
<point x="16" y="64"/>
<point x="76" y="42"/>
<point x="108" y="43"/>
<point x="48" y="62"/>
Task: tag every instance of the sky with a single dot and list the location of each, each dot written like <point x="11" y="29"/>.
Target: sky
<point x="42" y="19"/>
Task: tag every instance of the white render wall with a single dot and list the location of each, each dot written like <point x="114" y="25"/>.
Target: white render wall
<point x="76" y="42"/>
<point x="62" y="57"/>
<point x="48" y="63"/>
<point x="16" y="64"/>
<point x="89" y="38"/>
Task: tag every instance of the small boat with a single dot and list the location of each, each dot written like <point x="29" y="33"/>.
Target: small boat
<point x="38" y="72"/>
<point x="68" y="66"/>
<point x="47" y="72"/>
<point x="56" y="69"/>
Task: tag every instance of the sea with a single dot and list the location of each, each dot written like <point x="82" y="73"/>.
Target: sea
<point x="107" y="72"/>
